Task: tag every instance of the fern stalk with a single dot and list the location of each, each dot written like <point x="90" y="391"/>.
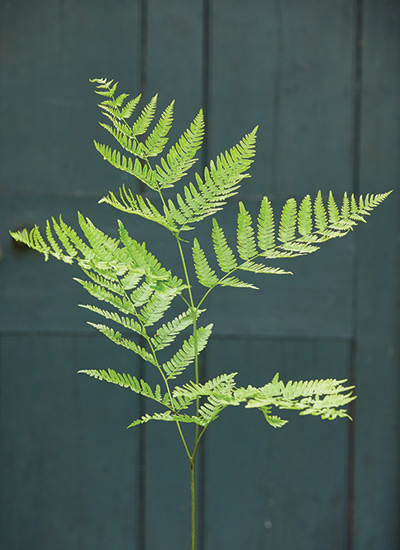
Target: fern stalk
<point x="137" y="291"/>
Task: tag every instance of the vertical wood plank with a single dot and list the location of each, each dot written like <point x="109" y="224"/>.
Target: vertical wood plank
<point x="284" y="488"/>
<point x="377" y="458"/>
<point x="243" y="67"/>
<point x="69" y="472"/>
<point x="288" y="67"/>
<point x="48" y="109"/>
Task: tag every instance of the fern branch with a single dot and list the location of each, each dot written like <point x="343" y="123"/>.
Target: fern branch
<point x="130" y="382"/>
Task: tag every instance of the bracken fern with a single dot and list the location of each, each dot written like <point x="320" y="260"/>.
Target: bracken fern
<point x="138" y="291"/>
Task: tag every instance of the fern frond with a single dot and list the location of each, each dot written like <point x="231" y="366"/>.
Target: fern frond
<point x="266" y="226"/>
<point x="187" y="353"/>
<point x="205" y="275"/>
<point x="221" y="181"/>
<point x="139" y="205"/>
<point x="315" y="397"/>
<point x="246" y="243"/>
<point x="117" y="338"/>
<point x="304" y="221"/>
<point x="130" y="382"/>
<point x="157" y="305"/>
<point x="223" y="384"/>
<point x="235" y="282"/>
<point x="273" y="420"/>
<point x="142" y="172"/>
<point x="167" y="416"/>
<point x="225" y="256"/>
<point x="180" y="157"/>
<point x="261" y="268"/>
<point x="145" y="118"/>
<point x="321" y="221"/>
<point x="167" y="333"/>
<point x="126" y="322"/>
<point x="287" y="227"/>
<point x="142" y="259"/>
<point x="155" y="143"/>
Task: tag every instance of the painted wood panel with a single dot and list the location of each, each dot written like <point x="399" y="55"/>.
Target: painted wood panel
<point x="70" y="473"/>
<point x="50" y="50"/>
<point x="377" y="458"/>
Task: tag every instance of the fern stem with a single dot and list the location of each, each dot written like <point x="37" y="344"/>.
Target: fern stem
<point x="192" y="504"/>
<point x="194" y="314"/>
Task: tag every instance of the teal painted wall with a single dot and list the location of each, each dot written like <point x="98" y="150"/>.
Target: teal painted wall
<point x="322" y="80"/>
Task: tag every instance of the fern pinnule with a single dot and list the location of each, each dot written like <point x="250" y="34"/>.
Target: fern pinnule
<point x="225" y="256"/>
<point x="273" y="420"/>
<point x="287" y="227"/>
<point x="246" y="243"/>
<point x="205" y="275"/>
<point x="266" y="226"/>
<point x="304" y="219"/>
<point x="321" y="220"/>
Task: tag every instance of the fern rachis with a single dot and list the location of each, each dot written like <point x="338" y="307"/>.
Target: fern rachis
<point x="136" y="291"/>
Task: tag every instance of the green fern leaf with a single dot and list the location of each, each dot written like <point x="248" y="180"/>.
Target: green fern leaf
<point x="287" y="228"/>
<point x="223" y="384"/>
<point x="157" y="305"/>
<point x="235" y="282"/>
<point x="274" y="421"/>
<point x="155" y="143"/>
<point x="266" y="226"/>
<point x="261" y="268"/>
<point x="139" y="205"/>
<point x="246" y="243"/>
<point x="180" y="157"/>
<point x="126" y="322"/>
<point x="321" y="221"/>
<point x="205" y="275"/>
<point x="101" y="294"/>
<point x="117" y="338"/>
<point x="167" y="416"/>
<point x="145" y="118"/>
<point x="333" y="211"/>
<point x="225" y="256"/>
<point x="187" y="353"/>
<point x="167" y="333"/>
<point x="221" y="181"/>
<point x="305" y="216"/>
<point x="130" y="382"/>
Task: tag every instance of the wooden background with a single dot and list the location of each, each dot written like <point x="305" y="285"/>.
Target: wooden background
<point x="321" y="77"/>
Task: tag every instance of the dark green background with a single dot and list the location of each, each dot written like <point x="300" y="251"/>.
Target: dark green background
<point x="321" y="77"/>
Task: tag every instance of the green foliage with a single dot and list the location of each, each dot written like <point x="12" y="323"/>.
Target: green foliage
<point x="137" y="291"/>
